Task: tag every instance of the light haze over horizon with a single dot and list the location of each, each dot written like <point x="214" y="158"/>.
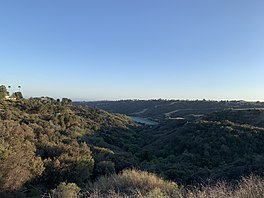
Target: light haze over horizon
<point x="144" y="49"/>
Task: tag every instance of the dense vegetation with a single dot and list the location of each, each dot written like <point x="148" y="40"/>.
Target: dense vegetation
<point x="192" y="152"/>
<point x="42" y="144"/>
<point x="51" y="147"/>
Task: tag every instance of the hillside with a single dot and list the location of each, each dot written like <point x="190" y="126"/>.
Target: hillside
<point x="42" y="144"/>
<point x="50" y="144"/>
<point x="254" y="117"/>
<point x="197" y="151"/>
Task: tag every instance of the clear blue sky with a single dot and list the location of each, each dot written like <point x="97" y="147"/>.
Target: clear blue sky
<point x="118" y="49"/>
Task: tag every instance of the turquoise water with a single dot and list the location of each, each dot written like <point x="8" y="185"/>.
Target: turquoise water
<point x="143" y="120"/>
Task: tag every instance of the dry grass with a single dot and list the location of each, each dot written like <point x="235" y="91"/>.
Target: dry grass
<point x="138" y="184"/>
<point x="249" y="187"/>
<point x="134" y="183"/>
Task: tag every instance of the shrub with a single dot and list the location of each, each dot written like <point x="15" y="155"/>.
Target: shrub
<point x="156" y="193"/>
<point x="130" y="181"/>
<point x="70" y="190"/>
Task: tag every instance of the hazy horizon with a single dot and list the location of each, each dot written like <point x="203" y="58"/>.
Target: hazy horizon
<point x="142" y="49"/>
<point x="119" y="99"/>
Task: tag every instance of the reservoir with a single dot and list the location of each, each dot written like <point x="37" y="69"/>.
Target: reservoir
<point x="143" y="120"/>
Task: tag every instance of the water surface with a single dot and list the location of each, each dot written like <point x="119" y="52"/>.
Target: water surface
<point x="143" y="120"/>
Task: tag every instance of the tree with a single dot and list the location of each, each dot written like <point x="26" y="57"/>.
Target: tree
<point x="18" y="95"/>
<point x="18" y="160"/>
<point x="66" y="101"/>
<point x="3" y="92"/>
<point x="9" y="87"/>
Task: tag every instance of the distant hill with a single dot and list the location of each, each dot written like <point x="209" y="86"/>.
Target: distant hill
<point x="160" y="109"/>
<point x="250" y="116"/>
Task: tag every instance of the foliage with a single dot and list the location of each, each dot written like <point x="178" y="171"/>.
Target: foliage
<point x="18" y="161"/>
<point x="201" y="150"/>
<point x="70" y="190"/>
<point x="18" y="95"/>
<point x="42" y="144"/>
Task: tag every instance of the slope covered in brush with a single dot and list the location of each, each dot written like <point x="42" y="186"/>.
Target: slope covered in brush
<point x="196" y="151"/>
<point x="252" y="116"/>
<point x="42" y="143"/>
<point x="192" y="152"/>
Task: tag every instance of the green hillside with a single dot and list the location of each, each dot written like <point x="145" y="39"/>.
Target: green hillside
<point x="42" y="144"/>
<point x="51" y="147"/>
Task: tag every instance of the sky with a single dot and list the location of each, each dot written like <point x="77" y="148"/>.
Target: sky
<point x="133" y="49"/>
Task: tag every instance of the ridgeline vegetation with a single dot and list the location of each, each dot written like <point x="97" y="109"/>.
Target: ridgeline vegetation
<point x="60" y="149"/>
